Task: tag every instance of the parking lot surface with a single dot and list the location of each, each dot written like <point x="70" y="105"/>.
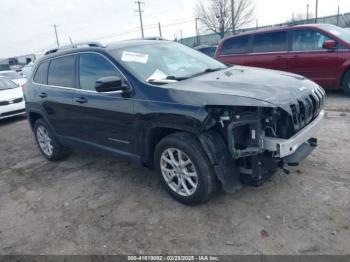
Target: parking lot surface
<point x="92" y="204"/>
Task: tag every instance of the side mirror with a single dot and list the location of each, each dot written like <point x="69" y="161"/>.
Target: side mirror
<point x="329" y="44"/>
<point x="110" y="84"/>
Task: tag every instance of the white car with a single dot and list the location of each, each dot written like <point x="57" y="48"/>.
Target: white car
<point x="14" y="76"/>
<point x="27" y="70"/>
<point x="11" y="99"/>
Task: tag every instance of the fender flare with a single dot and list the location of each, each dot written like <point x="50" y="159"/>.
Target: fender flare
<point x="149" y="136"/>
<point x="224" y="165"/>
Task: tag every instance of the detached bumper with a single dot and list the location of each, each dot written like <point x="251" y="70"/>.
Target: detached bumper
<point x="284" y="152"/>
<point x="301" y="153"/>
<point x="285" y="147"/>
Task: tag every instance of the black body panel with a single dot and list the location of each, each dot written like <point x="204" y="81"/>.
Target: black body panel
<point x="124" y="123"/>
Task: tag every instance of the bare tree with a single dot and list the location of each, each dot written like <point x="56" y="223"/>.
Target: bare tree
<point x="216" y="15"/>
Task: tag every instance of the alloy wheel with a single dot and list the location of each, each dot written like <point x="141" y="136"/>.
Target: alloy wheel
<point x="44" y="140"/>
<point x="179" y="172"/>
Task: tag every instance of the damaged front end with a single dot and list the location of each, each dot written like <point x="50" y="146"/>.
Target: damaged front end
<point x="259" y="140"/>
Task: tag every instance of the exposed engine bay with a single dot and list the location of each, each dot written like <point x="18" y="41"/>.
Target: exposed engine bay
<point x="262" y="139"/>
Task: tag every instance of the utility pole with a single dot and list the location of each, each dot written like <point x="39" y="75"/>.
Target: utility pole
<point x="55" y="27"/>
<point x="338" y="15"/>
<point x="257" y="23"/>
<point x="160" y="30"/>
<point x="140" y="14"/>
<point x="70" y="40"/>
<point x="307" y="13"/>
<point x="233" y="16"/>
<point x="316" y="12"/>
<point x="197" y="33"/>
<point x="181" y="36"/>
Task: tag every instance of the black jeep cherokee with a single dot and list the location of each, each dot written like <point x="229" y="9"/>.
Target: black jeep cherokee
<point x="196" y="121"/>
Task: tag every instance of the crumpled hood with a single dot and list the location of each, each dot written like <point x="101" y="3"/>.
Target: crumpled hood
<point x="275" y="87"/>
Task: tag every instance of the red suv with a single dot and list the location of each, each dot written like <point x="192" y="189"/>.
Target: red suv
<point x="320" y="52"/>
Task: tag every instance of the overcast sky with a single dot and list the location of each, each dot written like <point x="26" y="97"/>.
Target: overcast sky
<point x="25" y="24"/>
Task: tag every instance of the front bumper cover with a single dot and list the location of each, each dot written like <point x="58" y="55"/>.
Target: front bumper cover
<point x="286" y="147"/>
<point x="301" y="153"/>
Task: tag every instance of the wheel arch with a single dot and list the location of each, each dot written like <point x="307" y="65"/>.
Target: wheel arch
<point x="33" y="116"/>
<point x="345" y="69"/>
<point x="153" y="136"/>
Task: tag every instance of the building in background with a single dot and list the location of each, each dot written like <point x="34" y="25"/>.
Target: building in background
<point x="16" y="63"/>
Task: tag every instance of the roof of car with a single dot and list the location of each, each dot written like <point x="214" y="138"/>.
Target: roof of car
<point x="277" y="28"/>
<point x="111" y="46"/>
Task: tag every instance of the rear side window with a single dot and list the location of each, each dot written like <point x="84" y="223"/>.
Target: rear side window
<point x="236" y="45"/>
<point x="40" y="76"/>
<point x="62" y="71"/>
<point x="270" y="42"/>
<point x="93" y="67"/>
<point x="308" y="40"/>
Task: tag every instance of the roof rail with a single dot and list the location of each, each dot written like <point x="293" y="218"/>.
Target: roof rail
<point x="74" y="45"/>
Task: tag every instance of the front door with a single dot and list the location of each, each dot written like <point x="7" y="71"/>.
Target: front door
<point x="102" y="119"/>
<point x="308" y="58"/>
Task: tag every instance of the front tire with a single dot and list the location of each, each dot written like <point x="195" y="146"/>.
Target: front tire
<point x="346" y="83"/>
<point x="47" y="142"/>
<point x="184" y="169"/>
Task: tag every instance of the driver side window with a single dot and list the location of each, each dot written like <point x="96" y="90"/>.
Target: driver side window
<point x="93" y="67"/>
<point x="308" y="40"/>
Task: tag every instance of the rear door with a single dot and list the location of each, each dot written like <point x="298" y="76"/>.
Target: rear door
<point x="234" y="50"/>
<point x="55" y="95"/>
<point x="102" y="119"/>
<point x="269" y="50"/>
<point x="308" y="58"/>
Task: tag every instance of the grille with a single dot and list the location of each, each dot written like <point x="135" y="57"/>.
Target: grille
<point x="306" y="109"/>
<point x="13" y="101"/>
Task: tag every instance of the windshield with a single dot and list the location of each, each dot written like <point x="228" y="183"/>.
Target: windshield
<point x="6" y="84"/>
<point x="165" y="61"/>
<point x="338" y="32"/>
<point x="10" y="75"/>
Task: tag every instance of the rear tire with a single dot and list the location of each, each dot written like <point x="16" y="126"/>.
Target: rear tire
<point x="346" y="83"/>
<point x="47" y="142"/>
<point x="184" y="169"/>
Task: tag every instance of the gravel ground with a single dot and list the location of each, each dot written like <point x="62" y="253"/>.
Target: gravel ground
<point x="91" y="204"/>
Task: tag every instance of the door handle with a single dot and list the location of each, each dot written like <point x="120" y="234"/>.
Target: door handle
<point x="81" y="100"/>
<point x="42" y="95"/>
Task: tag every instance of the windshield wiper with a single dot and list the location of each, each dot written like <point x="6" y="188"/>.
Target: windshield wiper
<point x="176" y="78"/>
<point x="161" y="81"/>
<point x="172" y="79"/>
<point x="208" y="70"/>
<point x="167" y="80"/>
